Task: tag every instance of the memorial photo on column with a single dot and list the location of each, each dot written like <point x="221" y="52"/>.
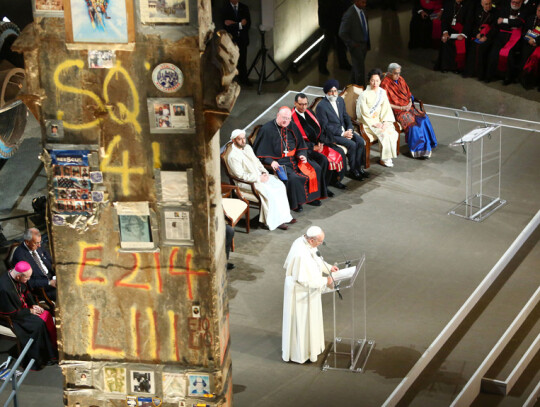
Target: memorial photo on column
<point x="48" y="8"/>
<point x="171" y="115"/>
<point x="165" y="11"/>
<point x="134" y="225"/>
<point x="99" y="21"/>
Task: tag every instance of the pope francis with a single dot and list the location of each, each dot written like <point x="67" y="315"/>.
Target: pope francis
<point x="307" y="275"/>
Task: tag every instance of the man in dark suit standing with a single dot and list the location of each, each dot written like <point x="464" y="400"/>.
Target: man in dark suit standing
<point x="237" y="21"/>
<point x="354" y="31"/>
<point x="336" y="124"/>
<point x="42" y="270"/>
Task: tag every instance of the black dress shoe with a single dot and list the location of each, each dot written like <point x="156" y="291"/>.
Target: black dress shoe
<point x="330" y="194"/>
<point x="230" y="266"/>
<point x="355" y="174"/>
<point x="364" y="173"/>
<point x="339" y="185"/>
<point x="315" y="203"/>
<point x="299" y="209"/>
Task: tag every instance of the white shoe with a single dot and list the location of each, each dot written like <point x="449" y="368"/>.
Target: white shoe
<point x="388" y="163"/>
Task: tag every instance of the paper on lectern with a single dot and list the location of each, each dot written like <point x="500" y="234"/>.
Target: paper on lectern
<point x="344" y="273"/>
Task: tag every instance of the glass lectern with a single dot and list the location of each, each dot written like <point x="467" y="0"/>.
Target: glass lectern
<point x="350" y="349"/>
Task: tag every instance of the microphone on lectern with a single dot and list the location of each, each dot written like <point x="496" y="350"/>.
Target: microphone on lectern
<point x="336" y="286"/>
<point x="347" y="262"/>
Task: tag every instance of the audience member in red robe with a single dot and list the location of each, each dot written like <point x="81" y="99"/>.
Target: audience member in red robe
<point x="415" y="124"/>
<point x="455" y="20"/>
<point x="530" y="74"/>
<point x="480" y="40"/>
<point x="502" y="60"/>
<point x="29" y="319"/>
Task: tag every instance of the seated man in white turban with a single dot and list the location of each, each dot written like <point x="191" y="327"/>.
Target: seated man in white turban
<point x="243" y="164"/>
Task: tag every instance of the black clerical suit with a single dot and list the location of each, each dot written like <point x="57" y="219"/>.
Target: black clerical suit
<point x="420" y="28"/>
<point x="275" y="143"/>
<point x="514" y="19"/>
<point x="39" y="279"/>
<point x="314" y="135"/>
<point x="15" y="302"/>
<point x="239" y="33"/>
<point x="355" y="34"/>
<point x="333" y="126"/>
<point x="530" y="74"/>
<point x="455" y="19"/>
<point x="483" y="24"/>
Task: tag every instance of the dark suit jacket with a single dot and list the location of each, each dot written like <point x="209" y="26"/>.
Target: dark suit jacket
<point x="330" y="122"/>
<point x="351" y="31"/>
<point x="241" y="37"/>
<point x="38" y="279"/>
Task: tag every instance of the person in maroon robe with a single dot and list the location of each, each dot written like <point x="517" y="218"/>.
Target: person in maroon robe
<point x="29" y="319"/>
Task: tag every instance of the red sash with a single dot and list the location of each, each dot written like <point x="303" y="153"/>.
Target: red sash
<point x="484" y="29"/>
<point x="309" y="171"/>
<point x="434" y="6"/>
<point x="296" y="121"/>
<point x="335" y="162"/>
<point x="503" y="53"/>
<point x="49" y="324"/>
<point x="533" y="63"/>
<point x="460" y="47"/>
<point x="290" y="153"/>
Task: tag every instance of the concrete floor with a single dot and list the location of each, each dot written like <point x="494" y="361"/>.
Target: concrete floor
<point x="421" y="263"/>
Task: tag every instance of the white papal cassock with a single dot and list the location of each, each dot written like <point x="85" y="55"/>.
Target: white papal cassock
<point x="303" y="331"/>
<point x="275" y="205"/>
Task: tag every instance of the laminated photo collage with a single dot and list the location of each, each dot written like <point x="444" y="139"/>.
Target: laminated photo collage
<point x="141" y="385"/>
<point x="73" y="182"/>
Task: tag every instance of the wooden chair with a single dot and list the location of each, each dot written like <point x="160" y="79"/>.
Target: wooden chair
<point x="397" y="125"/>
<point x="251" y="138"/>
<point x="8" y="260"/>
<point x="8" y="332"/>
<point x="350" y="94"/>
<point x="234" y="208"/>
<point x="253" y="196"/>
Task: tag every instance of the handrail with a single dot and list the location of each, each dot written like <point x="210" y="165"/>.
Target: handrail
<point x="12" y="376"/>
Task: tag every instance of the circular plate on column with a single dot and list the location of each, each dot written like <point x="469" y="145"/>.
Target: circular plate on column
<point x="167" y="78"/>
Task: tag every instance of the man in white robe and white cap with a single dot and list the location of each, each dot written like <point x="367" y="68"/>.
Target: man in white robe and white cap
<point x="244" y="164"/>
<point x="307" y="275"/>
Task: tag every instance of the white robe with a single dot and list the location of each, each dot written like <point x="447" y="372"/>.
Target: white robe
<point x="303" y="330"/>
<point x="274" y="203"/>
<point x="369" y="114"/>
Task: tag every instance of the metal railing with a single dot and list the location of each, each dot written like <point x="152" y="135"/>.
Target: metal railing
<point x="12" y="376"/>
